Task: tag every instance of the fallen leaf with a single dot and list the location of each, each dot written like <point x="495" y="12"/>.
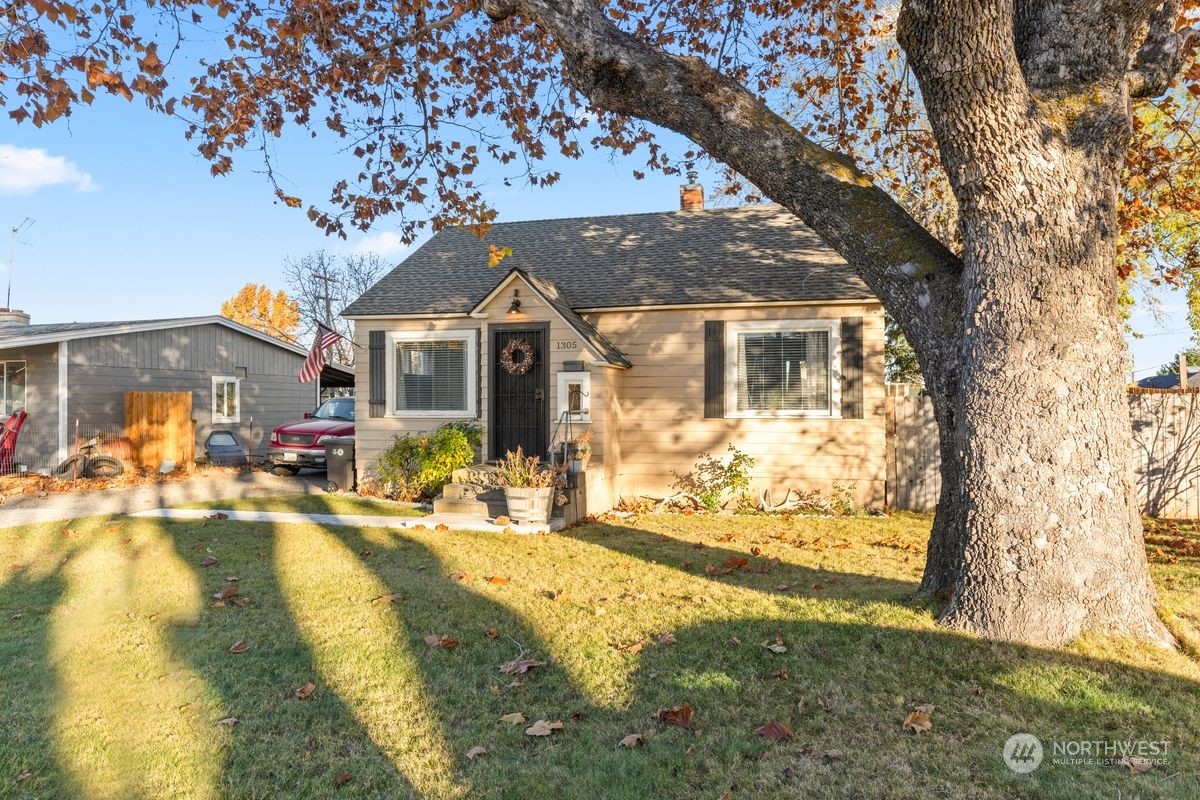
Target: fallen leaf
<point x="666" y="638"/>
<point x="341" y="780"/>
<point x="514" y="684"/>
<point x="209" y="561"/>
<point x="632" y="740"/>
<point x="499" y="580"/>
<point x="781" y="674"/>
<point x="779" y="647"/>
<point x="475" y="752"/>
<point x="461" y="576"/>
<point x="217" y="604"/>
<point x="16" y="616"/>
<point x="789" y="772"/>
<point x="501" y="520"/>
<point x="917" y="722"/>
<point x="515" y="718"/>
<point x="228" y="722"/>
<point x="441" y="526"/>
<point x="24" y="776"/>
<point x="710" y="570"/>
<point x="543" y="728"/>
<point x="632" y="649"/>
<point x="387" y="598"/>
<point x="775" y="732"/>
<point x="520" y="666"/>
<point x="305" y="691"/>
<point x="239" y="647"/>
<point x="735" y="562"/>
<point x="241" y="601"/>
<point x="366" y="553"/>
<point x="226" y="593"/>
<point x="445" y="641"/>
<point x="1136" y="764"/>
<point x="492" y="633"/>
<point x="734" y="640"/>
<point x="232" y="578"/>
<point x="679" y="715"/>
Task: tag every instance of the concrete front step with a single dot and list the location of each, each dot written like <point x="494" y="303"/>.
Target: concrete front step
<point x="478" y="500"/>
<point x="479" y="474"/>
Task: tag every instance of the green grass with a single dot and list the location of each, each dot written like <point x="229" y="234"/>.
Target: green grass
<point x="115" y="670"/>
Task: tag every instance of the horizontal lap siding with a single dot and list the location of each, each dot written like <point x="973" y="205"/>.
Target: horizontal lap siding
<point x="186" y="359"/>
<point x="660" y="410"/>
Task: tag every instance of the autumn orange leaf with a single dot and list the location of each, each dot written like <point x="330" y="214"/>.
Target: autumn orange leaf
<point x="475" y="752"/>
<point x="341" y="780"/>
<point x="209" y="561"/>
<point x="735" y="562"/>
<point x="305" y="691"/>
<point x="543" y="728"/>
<point x="632" y="740"/>
<point x="775" y="732"/>
<point x="501" y="520"/>
<point x="239" y="647"/>
<point x="226" y="593"/>
<point x="492" y="633"/>
<point x="680" y="715"/>
<point x="445" y="641"/>
<point x="666" y="638"/>
<point x="918" y="720"/>
<point x="515" y="718"/>
<point x="499" y="580"/>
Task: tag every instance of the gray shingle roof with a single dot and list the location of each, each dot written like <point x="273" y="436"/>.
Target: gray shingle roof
<point x="739" y="255"/>
<point x="1170" y="381"/>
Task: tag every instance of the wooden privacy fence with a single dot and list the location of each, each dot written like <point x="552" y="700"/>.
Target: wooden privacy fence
<point x="1166" y="451"/>
<point x="160" y="428"/>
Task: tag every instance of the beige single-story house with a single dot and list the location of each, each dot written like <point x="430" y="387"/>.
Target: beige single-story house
<point x="668" y="335"/>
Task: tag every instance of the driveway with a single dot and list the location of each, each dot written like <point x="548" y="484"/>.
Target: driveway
<point x="28" y="509"/>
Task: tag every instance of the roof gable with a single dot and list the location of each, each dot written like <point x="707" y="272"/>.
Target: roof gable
<point x="755" y="254"/>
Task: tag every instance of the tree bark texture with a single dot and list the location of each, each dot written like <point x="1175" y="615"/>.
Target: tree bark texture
<point x="1037" y="535"/>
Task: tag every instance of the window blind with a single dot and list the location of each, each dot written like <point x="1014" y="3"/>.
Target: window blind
<point x="431" y="376"/>
<point x="783" y="371"/>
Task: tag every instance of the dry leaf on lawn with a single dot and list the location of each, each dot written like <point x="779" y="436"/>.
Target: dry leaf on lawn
<point x="666" y="638"/>
<point x="241" y="601"/>
<point x="520" y="666"/>
<point x="441" y="526"/>
<point x="492" y="633"/>
<point x="781" y="674"/>
<point x="209" y="561"/>
<point x="499" y="580"/>
<point x="228" y="722"/>
<point x="735" y="562"/>
<point x="779" y="647"/>
<point x="461" y="576"/>
<point x="387" y="598"/>
<point x="501" y="520"/>
<point x="239" y="647"/>
<point x="917" y="722"/>
<point x="632" y="740"/>
<point x="306" y="691"/>
<point x="515" y="718"/>
<point x="543" y="728"/>
<point x="632" y="649"/>
<point x="341" y="780"/>
<point x="1136" y="764"/>
<point x="226" y="593"/>
<point x="24" y="776"/>
<point x="680" y="715"/>
<point x="476" y="751"/>
<point x="775" y="732"/>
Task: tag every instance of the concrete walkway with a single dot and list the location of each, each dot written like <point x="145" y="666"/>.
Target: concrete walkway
<point x="28" y="509"/>
<point x="455" y="522"/>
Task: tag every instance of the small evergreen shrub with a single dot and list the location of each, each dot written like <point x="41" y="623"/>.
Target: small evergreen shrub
<point x="416" y="467"/>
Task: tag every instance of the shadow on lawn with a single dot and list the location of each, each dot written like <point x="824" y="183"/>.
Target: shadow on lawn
<point x="849" y="683"/>
<point x="282" y="746"/>
<point x="28" y="681"/>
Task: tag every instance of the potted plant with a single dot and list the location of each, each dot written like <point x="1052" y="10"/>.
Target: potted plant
<point x="579" y="451"/>
<point x="528" y="488"/>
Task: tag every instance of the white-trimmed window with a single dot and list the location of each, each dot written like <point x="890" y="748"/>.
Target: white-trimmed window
<point x="226" y="399"/>
<point x="575" y="396"/>
<point x="432" y="373"/>
<point x="12" y="386"/>
<point x="782" y="368"/>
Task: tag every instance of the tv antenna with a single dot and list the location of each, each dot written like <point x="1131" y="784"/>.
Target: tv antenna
<point x="24" y="225"/>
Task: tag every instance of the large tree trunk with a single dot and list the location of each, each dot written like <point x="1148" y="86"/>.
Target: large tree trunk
<point x="1052" y="539"/>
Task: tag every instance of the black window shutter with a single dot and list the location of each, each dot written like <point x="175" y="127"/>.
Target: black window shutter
<point x="852" y="367"/>
<point x="714" y="369"/>
<point x="377" y="368"/>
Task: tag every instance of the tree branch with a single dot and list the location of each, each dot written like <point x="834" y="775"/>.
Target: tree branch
<point x="1160" y="57"/>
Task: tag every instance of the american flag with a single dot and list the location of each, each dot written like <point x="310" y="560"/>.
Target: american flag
<point x="316" y="357"/>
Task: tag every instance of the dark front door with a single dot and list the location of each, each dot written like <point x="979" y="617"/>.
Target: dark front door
<point x="520" y="386"/>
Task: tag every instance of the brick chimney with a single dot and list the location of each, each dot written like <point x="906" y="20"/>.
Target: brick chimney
<point x="691" y="194"/>
<point x="11" y="316"/>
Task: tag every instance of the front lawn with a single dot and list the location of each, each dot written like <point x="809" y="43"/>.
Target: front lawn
<point x="117" y="680"/>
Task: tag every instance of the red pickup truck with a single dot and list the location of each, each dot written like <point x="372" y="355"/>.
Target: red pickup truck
<point x="301" y="444"/>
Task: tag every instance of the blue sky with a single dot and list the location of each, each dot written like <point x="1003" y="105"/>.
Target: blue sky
<point x="129" y="224"/>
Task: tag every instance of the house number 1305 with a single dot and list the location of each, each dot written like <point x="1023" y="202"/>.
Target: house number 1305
<point x="566" y="344"/>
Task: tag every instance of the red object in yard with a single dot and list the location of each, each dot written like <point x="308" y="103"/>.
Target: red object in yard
<point x="8" y="441"/>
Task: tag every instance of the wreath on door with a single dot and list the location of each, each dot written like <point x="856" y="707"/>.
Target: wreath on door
<point x="517" y="357"/>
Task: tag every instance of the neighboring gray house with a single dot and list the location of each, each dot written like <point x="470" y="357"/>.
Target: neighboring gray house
<point x="241" y="380"/>
<point x="1170" y="381"/>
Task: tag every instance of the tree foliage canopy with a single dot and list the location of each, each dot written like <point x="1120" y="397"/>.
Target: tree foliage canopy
<point x="257" y="307"/>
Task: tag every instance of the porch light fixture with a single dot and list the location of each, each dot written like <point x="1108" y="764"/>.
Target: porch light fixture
<point x="515" y="306"/>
